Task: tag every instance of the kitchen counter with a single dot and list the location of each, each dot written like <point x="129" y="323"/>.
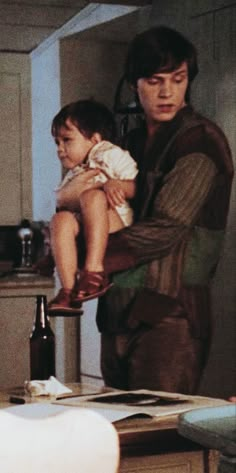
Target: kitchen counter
<point x="17" y="314"/>
<point x="29" y="283"/>
<point x="25" y="280"/>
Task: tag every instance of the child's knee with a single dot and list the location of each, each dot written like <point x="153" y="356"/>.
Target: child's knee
<point x="92" y="197"/>
<point x="60" y="219"/>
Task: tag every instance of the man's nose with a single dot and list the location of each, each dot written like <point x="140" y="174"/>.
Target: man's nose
<point x="166" y="89"/>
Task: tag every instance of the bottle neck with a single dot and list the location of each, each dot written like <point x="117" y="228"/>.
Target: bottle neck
<point x="41" y="312"/>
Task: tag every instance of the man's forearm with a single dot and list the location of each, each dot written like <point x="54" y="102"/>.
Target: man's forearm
<point x="174" y="212"/>
<point x="175" y="208"/>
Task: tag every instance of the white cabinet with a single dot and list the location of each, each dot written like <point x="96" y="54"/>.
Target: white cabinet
<point x="17" y="313"/>
<point x="15" y="139"/>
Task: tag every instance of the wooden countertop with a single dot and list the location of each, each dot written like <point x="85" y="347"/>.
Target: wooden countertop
<point x="15" y="280"/>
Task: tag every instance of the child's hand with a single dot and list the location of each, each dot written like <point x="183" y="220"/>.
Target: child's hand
<point x="114" y="192"/>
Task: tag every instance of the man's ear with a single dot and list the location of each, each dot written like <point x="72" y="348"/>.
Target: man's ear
<point x="96" y="138"/>
<point x="133" y="87"/>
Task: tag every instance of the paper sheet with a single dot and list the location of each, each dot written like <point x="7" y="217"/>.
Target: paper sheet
<point x="176" y="404"/>
<point x="42" y="410"/>
<point x="118" y="411"/>
<point x="36" y="410"/>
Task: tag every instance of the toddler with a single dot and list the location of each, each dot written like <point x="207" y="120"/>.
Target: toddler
<point x="92" y="200"/>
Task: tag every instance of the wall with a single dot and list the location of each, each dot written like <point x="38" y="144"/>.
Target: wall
<point x="94" y="59"/>
<point x="204" y="23"/>
<point x="46" y="169"/>
<point x="46" y="101"/>
<point x="211" y="25"/>
<point x="58" y="71"/>
<point x="95" y="69"/>
<point x="45" y="70"/>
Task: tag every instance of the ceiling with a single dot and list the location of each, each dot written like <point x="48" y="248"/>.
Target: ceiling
<point x="25" y="24"/>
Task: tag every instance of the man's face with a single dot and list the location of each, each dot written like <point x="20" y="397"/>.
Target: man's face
<point x="163" y="94"/>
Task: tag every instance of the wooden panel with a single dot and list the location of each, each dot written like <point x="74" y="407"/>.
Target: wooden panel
<point x="191" y="462"/>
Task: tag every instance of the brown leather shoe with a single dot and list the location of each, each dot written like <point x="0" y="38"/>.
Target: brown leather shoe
<point x="90" y="285"/>
<point x="61" y="305"/>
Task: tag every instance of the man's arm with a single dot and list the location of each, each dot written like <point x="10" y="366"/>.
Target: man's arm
<point x="69" y="195"/>
<point x="175" y="209"/>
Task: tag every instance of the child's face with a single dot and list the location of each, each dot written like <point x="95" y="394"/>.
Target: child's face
<point x="72" y="146"/>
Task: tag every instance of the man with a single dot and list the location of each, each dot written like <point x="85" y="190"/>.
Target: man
<point x="156" y="320"/>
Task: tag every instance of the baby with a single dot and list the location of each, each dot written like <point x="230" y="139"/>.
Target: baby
<point x="92" y="199"/>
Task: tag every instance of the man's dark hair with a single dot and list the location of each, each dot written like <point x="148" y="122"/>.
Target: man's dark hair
<point x="160" y="49"/>
<point x="89" y="117"/>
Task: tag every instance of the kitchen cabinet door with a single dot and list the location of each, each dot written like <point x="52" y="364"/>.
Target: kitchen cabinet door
<point x="15" y="139"/>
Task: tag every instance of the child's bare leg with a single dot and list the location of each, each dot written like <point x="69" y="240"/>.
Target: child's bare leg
<point x="64" y="229"/>
<point x="98" y="222"/>
<point x="94" y="208"/>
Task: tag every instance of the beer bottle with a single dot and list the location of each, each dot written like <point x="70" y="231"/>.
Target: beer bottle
<point x="42" y="343"/>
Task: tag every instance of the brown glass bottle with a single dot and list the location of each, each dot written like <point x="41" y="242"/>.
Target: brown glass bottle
<point x="42" y="343"/>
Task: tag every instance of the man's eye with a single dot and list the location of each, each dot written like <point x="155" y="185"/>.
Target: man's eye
<point x="153" y="80"/>
<point x="179" y="79"/>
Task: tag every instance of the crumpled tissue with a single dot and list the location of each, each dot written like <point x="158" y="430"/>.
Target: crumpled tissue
<point x="50" y="387"/>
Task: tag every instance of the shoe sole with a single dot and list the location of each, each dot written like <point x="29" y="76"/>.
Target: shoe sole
<point x="65" y="312"/>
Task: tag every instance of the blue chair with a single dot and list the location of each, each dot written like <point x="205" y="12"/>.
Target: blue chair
<point x="214" y="428"/>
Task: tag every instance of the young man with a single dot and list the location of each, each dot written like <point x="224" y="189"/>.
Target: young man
<point x="156" y="320"/>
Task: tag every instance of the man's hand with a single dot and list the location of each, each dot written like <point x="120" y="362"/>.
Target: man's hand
<point x="69" y="195"/>
<point x="119" y="256"/>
